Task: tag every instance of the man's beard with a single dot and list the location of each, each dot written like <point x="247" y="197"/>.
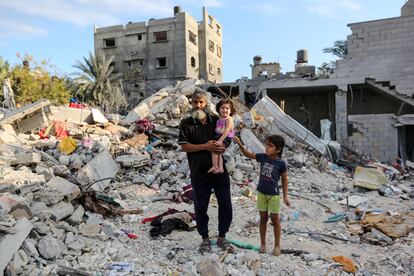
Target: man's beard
<point x="198" y="114"/>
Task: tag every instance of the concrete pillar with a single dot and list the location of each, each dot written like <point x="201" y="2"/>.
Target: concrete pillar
<point x="341" y="116"/>
<point x="242" y="90"/>
<point x="408" y="8"/>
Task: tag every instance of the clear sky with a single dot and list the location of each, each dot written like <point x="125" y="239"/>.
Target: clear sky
<point x="62" y="31"/>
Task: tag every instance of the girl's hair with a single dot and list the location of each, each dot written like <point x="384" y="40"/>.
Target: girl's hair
<point x="226" y="101"/>
<point x="278" y="141"/>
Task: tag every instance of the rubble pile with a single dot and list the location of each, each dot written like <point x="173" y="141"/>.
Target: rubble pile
<point x="80" y="193"/>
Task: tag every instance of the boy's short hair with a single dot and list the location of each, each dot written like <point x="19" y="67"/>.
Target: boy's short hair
<point x="226" y="101"/>
<point x="278" y="141"/>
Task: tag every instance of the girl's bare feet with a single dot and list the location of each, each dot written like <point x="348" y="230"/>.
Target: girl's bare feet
<point x="276" y="251"/>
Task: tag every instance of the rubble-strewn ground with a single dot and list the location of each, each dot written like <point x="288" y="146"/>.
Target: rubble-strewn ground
<point x="41" y="183"/>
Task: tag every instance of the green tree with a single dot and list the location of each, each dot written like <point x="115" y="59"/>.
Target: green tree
<point x="32" y="83"/>
<point x="339" y="49"/>
<point x="326" y="68"/>
<point x="97" y="84"/>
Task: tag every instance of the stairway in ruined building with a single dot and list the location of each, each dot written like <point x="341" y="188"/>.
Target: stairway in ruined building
<point x="388" y="88"/>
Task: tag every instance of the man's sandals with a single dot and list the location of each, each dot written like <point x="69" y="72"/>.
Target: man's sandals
<point x="205" y="246"/>
<point x="225" y="245"/>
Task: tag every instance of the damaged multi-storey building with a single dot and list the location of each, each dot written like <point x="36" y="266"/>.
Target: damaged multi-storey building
<point x="368" y="101"/>
<point x="151" y="55"/>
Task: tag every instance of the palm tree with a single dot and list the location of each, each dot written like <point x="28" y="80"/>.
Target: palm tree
<point x="326" y="68"/>
<point x="96" y="84"/>
<point x="339" y="49"/>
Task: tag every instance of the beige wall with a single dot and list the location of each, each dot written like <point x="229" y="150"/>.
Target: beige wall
<point x="270" y="68"/>
<point x="210" y="32"/>
<point x="136" y="60"/>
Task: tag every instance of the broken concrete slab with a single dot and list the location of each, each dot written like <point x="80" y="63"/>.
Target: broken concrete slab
<point x="369" y="178"/>
<point x="98" y="117"/>
<point x="161" y="129"/>
<point x="133" y="160"/>
<point x="17" y="117"/>
<point x="250" y="140"/>
<point x="354" y="200"/>
<point x="66" y="188"/>
<point x="11" y="243"/>
<point x="20" y="211"/>
<point x="63" y="113"/>
<point x="100" y="169"/>
<point x="27" y="158"/>
<point x="284" y="123"/>
<point x="138" y="113"/>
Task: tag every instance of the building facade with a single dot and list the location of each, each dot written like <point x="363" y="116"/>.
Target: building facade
<point x="151" y="55"/>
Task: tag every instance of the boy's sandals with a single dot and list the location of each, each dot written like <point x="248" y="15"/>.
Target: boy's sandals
<point x="276" y="251"/>
<point x="225" y="246"/>
<point x="205" y="246"/>
<point x="262" y="249"/>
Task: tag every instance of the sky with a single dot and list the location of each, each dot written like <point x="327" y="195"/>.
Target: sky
<point x="62" y="31"/>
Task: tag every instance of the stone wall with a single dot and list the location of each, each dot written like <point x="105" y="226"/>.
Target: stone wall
<point x="375" y="135"/>
<point x="381" y="49"/>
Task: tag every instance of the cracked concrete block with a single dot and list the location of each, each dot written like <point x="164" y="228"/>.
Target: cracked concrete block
<point x="98" y="117"/>
<point x="138" y="113"/>
<point x="47" y="172"/>
<point x="61" y="210"/>
<point x="66" y="188"/>
<point x="77" y="216"/>
<point x="102" y="169"/>
<point x="27" y="158"/>
<point x="133" y="160"/>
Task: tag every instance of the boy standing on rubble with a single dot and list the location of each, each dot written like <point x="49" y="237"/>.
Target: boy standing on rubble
<point x="272" y="167"/>
<point x="197" y="134"/>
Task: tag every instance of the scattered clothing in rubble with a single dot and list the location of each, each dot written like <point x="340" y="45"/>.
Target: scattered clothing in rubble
<point x="165" y="223"/>
<point x="144" y="126"/>
<point x="185" y="196"/>
<point x="105" y="205"/>
<point x="57" y="128"/>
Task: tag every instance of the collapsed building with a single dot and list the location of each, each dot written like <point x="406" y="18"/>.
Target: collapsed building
<point x="81" y="193"/>
<point x="151" y="55"/>
<point x="367" y="103"/>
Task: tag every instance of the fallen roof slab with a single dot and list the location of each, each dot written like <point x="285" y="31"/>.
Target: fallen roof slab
<point x="22" y="112"/>
<point x="287" y="124"/>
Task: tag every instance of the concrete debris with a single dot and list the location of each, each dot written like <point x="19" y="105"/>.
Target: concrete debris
<point x="61" y="210"/>
<point x="98" y="117"/>
<point x="133" y="160"/>
<point x="85" y="210"/>
<point x="98" y="172"/>
<point x="64" y="187"/>
<point x="50" y="248"/>
<point x="12" y="242"/>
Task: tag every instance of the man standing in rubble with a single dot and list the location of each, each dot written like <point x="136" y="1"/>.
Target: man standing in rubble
<point x="196" y="138"/>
